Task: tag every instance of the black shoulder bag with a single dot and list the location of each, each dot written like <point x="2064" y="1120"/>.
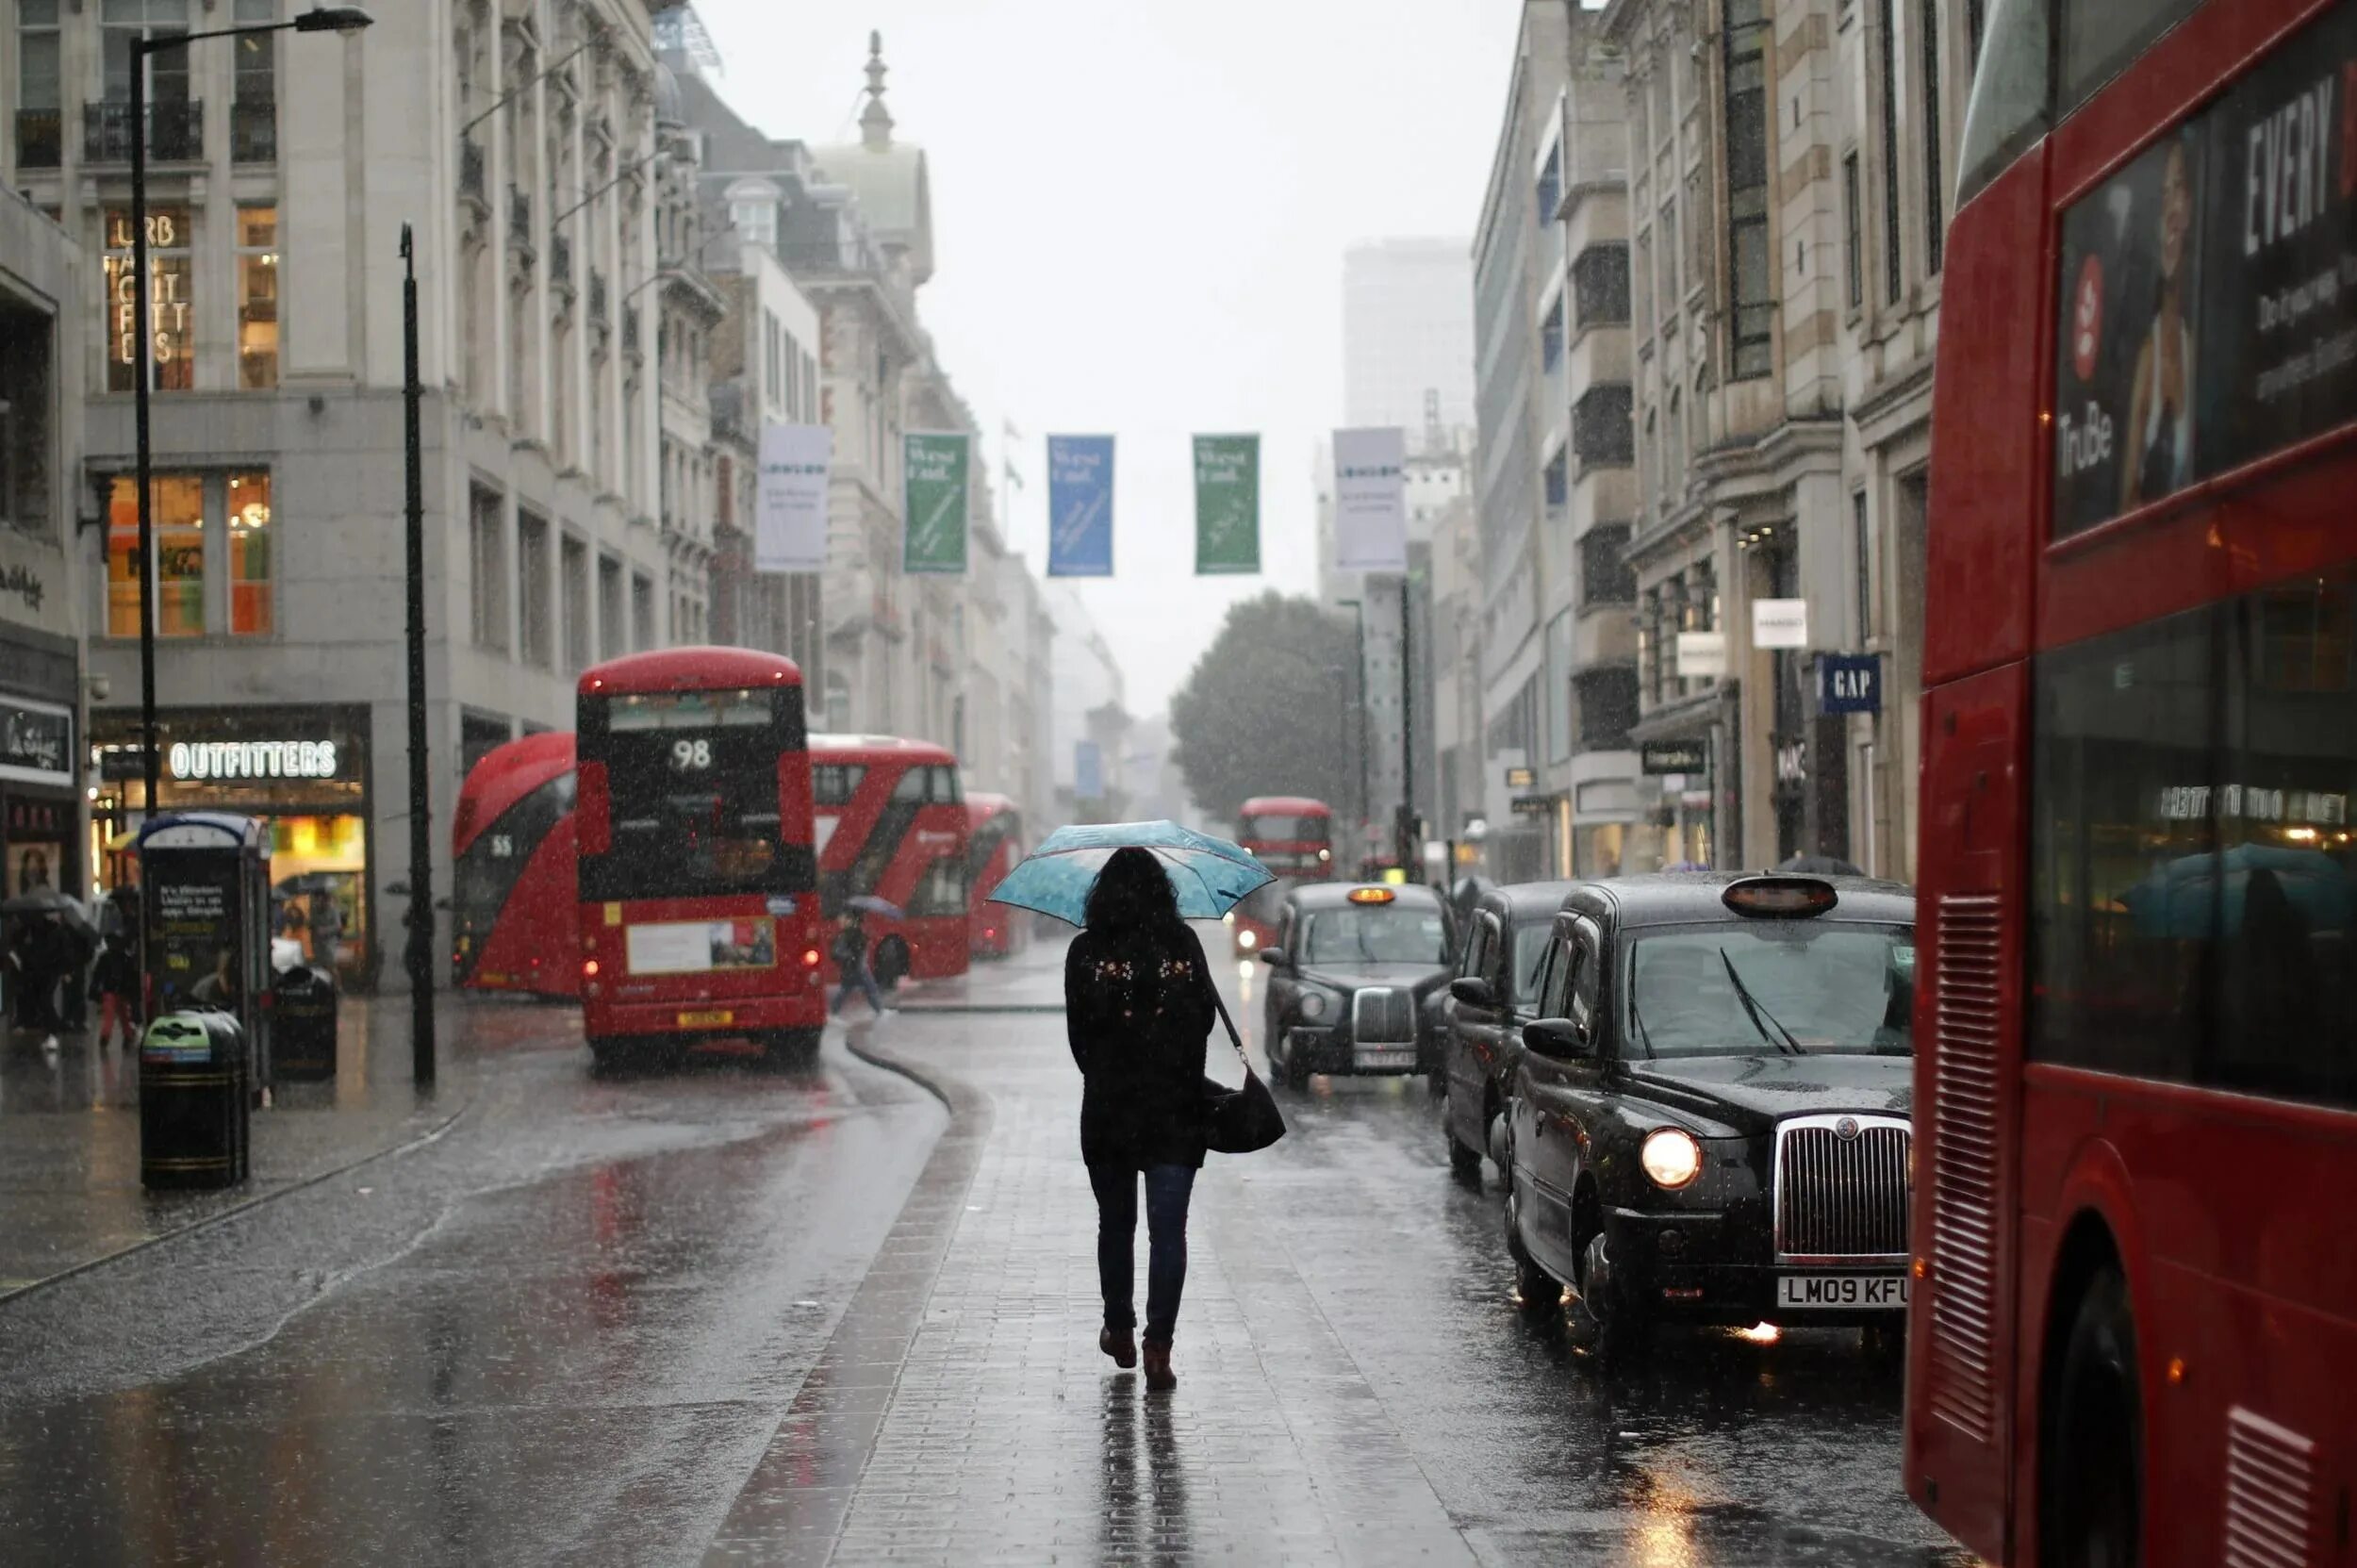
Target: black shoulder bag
<point x="1238" y="1121"/>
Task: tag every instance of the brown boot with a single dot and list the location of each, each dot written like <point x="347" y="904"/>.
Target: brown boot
<point x="1120" y="1345"/>
<point x="1157" y="1372"/>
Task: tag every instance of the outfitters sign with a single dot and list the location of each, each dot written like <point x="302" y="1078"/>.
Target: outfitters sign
<point x="2208" y="292"/>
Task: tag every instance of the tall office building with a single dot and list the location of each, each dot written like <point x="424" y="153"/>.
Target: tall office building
<point x="1408" y="330"/>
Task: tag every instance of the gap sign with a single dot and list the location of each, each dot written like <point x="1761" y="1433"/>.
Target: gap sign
<point x="1848" y="683"/>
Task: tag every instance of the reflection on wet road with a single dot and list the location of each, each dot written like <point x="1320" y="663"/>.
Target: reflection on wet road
<point x="563" y="1332"/>
<point x="1714" y="1450"/>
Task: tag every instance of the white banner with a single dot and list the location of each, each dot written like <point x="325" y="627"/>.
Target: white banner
<point x="1702" y="655"/>
<point x="790" y="507"/>
<point x="1370" y="500"/>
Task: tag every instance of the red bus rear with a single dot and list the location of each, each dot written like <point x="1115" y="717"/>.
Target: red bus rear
<point x="891" y="825"/>
<point x="2133" y="1331"/>
<point x="515" y="924"/>
<point x="994" y="847"/>
<point x="1291" y="834"/>
<point x="697" y="866"/>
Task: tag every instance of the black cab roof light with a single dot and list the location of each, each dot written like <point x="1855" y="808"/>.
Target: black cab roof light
<point x="1780" y="896"/>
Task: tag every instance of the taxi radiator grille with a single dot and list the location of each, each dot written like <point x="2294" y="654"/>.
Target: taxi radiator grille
<point x="1382" y="1016"/>
<point x="1839" y="1196"/>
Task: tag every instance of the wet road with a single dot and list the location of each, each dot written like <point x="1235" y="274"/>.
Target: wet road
<point x="561" y="1331"/>
<point x="1715" y="1450"/>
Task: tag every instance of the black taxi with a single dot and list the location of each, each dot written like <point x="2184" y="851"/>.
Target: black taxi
<point x="1350" y="967"/>
<point x="1501" y="939"/>
<point x="1710" y="1119"/>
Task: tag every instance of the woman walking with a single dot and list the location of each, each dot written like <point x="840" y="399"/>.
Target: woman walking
<point x="1138" y="1006"/>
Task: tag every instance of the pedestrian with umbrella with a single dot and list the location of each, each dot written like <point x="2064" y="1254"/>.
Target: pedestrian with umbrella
<point x="51" y="937"/>
<point x="1139" y="1003"/>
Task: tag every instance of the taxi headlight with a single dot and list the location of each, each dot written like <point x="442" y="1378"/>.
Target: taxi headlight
<point x="1672" y="1157"/>
<point x="1246" y="940"/>
<point x="1312" y="1005"/>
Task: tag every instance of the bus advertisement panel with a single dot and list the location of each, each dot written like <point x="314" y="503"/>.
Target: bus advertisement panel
<point x="696" y="864"/>
<point x="892" y="826"/>
<point x="513" y="915"/>
<point x="994" y="847"/>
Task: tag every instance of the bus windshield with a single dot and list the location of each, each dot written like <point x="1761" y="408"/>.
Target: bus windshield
<point x="1285" y="827"/>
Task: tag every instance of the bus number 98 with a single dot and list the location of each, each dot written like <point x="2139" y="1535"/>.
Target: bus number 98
<point x="689" y="755"/>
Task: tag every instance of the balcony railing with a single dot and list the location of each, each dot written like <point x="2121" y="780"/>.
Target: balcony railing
<point x="254" y="130"/>
<point x="519" y="218"/>
<point x="470" y="170"/>
<point x="40" y="138"/>
<point x="176" y="131"/>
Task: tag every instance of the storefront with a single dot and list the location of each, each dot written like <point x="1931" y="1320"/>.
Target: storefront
<point x="38" y="797"/>
<point x="303" y="771"/>
<point x="1678" y="794"/>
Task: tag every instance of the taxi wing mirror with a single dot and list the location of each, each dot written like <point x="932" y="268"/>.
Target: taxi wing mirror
<point x="1473" y="991"/>
<point x="1273" y="957"/>
<point x="1558" y="1039"/>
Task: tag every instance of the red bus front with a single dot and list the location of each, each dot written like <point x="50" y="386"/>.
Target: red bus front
<point x="891" y="825"/>
<point x="2135" y="1324"/>
<point x="696" y="868"/>
<point x="994" y="847"/>
<point x="514" y="913"/>
<point x="1291" y="834"/>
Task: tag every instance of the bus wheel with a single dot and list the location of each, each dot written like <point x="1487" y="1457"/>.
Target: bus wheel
<point x="2091" y="1458"/>
<point x="791" y="1048"/>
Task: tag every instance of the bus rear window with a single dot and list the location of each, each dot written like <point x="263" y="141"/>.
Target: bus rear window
<point x="630" y="712"/>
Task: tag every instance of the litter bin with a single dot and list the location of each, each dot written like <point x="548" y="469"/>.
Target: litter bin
<point x="195" y="1116"/>
<point x="302" y="1023"/>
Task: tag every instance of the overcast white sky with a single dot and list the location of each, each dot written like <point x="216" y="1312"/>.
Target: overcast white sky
<point x="1140" y="213"/>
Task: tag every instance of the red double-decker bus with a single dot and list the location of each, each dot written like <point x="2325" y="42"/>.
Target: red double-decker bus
<point x="1290" y="834"/>
<point x="892" y="826"/>
<point x="994" y="847"/>
<point x="696" y="868"/>
<point x="513" y="909"/>
<point x="2133" y="1331"/>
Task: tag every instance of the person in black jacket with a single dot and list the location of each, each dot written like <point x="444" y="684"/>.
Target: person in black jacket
<point x="1138" y="1007"/>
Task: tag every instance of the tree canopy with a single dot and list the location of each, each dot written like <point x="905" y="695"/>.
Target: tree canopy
<point x="1269" y="709"/>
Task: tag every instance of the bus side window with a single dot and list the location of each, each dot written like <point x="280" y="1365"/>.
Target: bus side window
<point x="909" y="786"/>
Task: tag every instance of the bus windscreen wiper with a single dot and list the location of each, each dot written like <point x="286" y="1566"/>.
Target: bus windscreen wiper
<point x="1759" y="1016"/>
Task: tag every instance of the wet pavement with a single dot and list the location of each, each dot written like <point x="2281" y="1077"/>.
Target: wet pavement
<point x="738" y="1315"/>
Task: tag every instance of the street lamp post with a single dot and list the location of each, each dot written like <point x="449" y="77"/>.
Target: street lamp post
<point x="1358" y="613"/>
<point x="326" y="19"/>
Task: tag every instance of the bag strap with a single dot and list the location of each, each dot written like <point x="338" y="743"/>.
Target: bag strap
<point x="1212" y="986"/>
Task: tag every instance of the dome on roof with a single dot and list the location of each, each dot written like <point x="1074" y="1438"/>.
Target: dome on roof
<point x="669" y="108"/>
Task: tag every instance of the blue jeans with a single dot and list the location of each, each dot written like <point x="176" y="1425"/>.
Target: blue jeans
<point x="1167" y="1188"/>
<point x="859" y="979"/>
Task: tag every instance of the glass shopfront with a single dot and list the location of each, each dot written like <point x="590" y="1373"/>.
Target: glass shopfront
<point x="303" y="772"/>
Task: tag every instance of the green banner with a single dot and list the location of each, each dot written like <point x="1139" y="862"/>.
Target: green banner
<point x="1227" y="504"/>
<point x="935" y="468"/>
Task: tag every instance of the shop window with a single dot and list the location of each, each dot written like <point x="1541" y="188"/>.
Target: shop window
<point x="258" y="297"/>
<point x="171" y="301"/>
<point x="252" y="609"/>
<point x="177" y="505"/>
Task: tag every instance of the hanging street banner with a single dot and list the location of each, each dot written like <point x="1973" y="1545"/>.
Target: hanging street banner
<point x="790" y="507"/>
<point x="1079" y="505"/>
<point x="1227" y="504"/>
<point x="935" y="468"/>
<point x="1371" y="499"/>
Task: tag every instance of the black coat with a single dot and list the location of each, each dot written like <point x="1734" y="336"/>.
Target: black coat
<point x="1138" y="1009"/>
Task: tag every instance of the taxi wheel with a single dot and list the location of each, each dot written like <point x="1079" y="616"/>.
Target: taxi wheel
<point x="1611" y="1330"/>
<point x="2091" y="1458"/>
<point x="1463" y="1164"/>
<point x="1535" y="1291"/>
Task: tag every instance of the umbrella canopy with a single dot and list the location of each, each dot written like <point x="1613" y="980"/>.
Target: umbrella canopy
<point x="2177" y="898"/>
<point x="1207" y="874"/>
<point x="1819" y="865"/>
<point x="867" y="903"/>
<point x="48" y="901"/>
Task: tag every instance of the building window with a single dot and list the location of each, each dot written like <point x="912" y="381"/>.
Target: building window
<point x="128" y="20"/>
<point x="1551" y="187"/>
<point x="1603" y="574"/>
<point x="254" y="103"/>
<point x="251" y="602"/>
<point x="1550" y="338"/>
<point x="1558" y="708"/>
<point x="176" y="504"/>
<point x="533" y="571"/>
<point x="1863" y="542"/>
<point x="641" y="612"/>
<point x="258" y="296"/>
<point x="610" y="622"/>
<point x="28" y="385"/>
<point x="1852" y="235"/>
<point x="1934" y="208"/>
<point x="1600" y="428"/>
<point x="1600" y="285"/>
<point x="1558" y="480"/>
<point x="487" y="552"/>
<point x="1607" y="706"/>
<point x="39" y="106"/>
<point x="172" y="302"/>
<point x="1894" y="281"/>
<point x="1749" y="264"/>
<point x="574" y="557"/>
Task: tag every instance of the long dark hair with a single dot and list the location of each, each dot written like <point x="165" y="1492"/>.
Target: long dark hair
<point x="1131" y="894"/>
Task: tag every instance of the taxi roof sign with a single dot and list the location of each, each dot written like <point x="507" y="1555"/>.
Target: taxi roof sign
<point x="1780" y="896"/>
<point x="1372" y="894"/>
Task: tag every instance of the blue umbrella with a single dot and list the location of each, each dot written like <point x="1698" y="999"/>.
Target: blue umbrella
<point x="867" y="903"/>
<point x="1207" y="874"/>
<point x="2178" y="899"/>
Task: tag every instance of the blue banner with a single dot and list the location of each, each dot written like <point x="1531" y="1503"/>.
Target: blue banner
<point x="1079" y="505"/>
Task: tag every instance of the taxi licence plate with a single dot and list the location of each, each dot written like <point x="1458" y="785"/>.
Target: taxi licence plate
<point x="709" y="1018"/>
<point x="1379" y="1056"/>
<point x="1868" y="1291"/>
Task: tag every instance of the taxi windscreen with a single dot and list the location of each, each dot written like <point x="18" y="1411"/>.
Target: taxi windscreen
<point x="1373" y="934"/>
<point x="1784" y="987"/>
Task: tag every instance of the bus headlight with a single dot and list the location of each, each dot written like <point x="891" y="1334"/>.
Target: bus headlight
<point x="1326" y="854"/>
<point x="1246" y="940"/>
<point x="1672" y="1157"/>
